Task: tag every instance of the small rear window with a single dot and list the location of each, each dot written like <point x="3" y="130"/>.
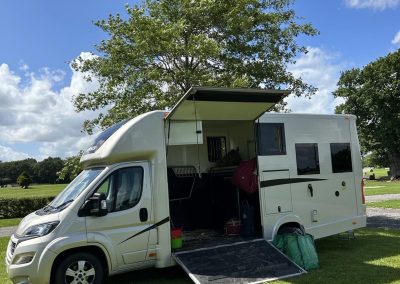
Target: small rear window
<point x="307" y="158"/>
<point x="341" y="157"/>
<point x="271" y="139"/>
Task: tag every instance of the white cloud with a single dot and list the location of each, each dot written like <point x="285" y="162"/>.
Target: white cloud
<point x="8" y="154"/>
<point x="396" y="39"/>
<point x="318" y="68"/>
<point x="34" y="111"/>
<point x="372" y="4"/>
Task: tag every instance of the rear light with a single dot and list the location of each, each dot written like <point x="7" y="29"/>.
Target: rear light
<point x="362" y="191"/>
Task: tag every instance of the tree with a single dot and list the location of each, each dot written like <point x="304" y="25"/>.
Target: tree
<point x="47" y="169"/>
<point x="71" y="168"/>
<point x="167" y="46"/>
<point x="14" y="168"/>
<point x="372" y="94"/>
<point x="24" y="180"/>
<point x="376" y="159"/>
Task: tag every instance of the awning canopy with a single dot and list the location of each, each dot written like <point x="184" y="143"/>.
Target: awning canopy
<point x="210" y="103"/>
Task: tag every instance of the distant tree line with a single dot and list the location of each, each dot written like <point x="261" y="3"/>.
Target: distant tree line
<point x="51" y="170"/>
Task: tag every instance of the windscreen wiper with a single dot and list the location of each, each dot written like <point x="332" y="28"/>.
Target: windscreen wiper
<point x="64" y="204"/>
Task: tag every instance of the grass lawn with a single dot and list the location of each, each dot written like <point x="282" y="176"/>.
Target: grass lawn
<point x="373" y="257"/>
<point x="373" y="187"/>
<point x="9" y="222"/>
<point x="379" y="172"/>
<point x="386" y="204"/>
<point x="32" y="191"/>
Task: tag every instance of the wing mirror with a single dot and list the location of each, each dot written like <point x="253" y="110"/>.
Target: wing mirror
<point x="94" y="206"/>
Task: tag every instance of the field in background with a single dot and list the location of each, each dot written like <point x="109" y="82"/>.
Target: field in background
<point x="373" y="187"/>
<point x="380" y="172"/>
<point x="9" y="222"/>
<point x="372" y="257"/>
<point x="42" y="190"/>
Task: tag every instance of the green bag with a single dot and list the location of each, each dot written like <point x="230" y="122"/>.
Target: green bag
<point x="299" y="248"/>
<point x="308" y="252"/>
<point x="293" y="249"/>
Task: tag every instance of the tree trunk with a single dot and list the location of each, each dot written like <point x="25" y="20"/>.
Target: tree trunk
<point x="394" y="165"/>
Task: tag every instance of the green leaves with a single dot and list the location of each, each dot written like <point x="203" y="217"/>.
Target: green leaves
<point x="373" y="95"/>
<point x="164" y="47"/>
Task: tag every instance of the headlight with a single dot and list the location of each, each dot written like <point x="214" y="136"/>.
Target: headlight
<point x="40" y="230"/>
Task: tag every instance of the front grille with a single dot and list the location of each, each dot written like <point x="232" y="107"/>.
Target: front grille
<point x="12" y="247"/>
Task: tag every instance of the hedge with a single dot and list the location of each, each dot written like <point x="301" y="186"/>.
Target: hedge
<point x="20" y="207"/>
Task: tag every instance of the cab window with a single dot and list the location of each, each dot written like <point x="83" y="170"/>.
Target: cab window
<point x="122" y="188"/>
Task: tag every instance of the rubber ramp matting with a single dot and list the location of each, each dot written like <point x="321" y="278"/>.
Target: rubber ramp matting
<point x="245" y="262"/>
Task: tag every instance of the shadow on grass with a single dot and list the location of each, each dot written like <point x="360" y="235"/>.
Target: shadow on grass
<point x="383" y="222"/>
<point x="372" y="257"/>
<point x="152" y="276"/>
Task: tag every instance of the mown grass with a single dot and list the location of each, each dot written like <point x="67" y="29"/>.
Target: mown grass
<point x="394" y="203"/>
<point x="372" y="257"/>
<point x="9" y="222"/>
<point x="3" y="274"/>
<point x="379" y="172"/>
<point x="40" y="190"/>
<point x="373" y="187"/>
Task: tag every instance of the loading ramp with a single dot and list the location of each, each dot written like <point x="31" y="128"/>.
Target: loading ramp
<point x="254" y="261"/>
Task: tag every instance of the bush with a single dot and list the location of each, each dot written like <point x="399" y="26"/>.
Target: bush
<point x="20" y="207"/>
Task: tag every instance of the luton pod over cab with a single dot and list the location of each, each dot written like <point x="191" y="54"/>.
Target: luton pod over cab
<point x="207" y="186"/>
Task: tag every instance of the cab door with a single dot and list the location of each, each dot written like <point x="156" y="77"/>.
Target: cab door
<point x="126" y="228"/>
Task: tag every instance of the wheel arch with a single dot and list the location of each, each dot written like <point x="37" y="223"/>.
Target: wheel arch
<point x="287" y="221"/>
<point x="92" y="249"/>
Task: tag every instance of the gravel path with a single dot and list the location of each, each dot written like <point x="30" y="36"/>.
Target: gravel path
<point x="383" y="218"/>
<point x="7" y="231"/>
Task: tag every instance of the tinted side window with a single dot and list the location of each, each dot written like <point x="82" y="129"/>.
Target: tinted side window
<point x="307" y="158"/>
<point x="341" y="157"/>
<point x="123" y="188"/>
<point x="271" y="139"/>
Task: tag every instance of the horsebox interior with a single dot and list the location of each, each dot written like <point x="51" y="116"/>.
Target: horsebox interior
<point x="203" y="200"/>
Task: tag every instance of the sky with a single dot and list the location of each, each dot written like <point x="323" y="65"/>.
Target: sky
<point x="39" y="39"/>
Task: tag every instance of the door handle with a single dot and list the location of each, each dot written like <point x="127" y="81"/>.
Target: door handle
<point x="310" y="188"/>
<point x="143" y="215"/>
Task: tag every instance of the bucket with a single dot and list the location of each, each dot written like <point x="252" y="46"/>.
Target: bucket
<point x="176" y="243"/>
<point x="232" y="227"/>
<point x="176" y="233"/>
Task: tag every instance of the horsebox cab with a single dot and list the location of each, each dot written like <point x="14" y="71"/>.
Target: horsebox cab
<point x="163" y="170"/>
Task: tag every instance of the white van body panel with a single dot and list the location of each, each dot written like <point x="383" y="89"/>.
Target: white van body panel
<point x="324" y="213"/>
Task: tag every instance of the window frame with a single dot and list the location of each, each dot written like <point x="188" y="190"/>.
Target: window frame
<point x="317" y="170"/>
<point x="348" y="146"/>
<point x="281" y="152"/>
<point x="114" y="175"/>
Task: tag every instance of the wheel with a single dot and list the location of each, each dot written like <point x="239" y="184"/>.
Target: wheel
<point x="79" y="268"/>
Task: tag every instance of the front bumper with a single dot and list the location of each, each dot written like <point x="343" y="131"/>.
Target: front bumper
<point x="38" y="270"/>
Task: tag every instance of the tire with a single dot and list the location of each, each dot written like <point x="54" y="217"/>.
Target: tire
<point x="285" y="229"/>
<point x="79" y="268"/>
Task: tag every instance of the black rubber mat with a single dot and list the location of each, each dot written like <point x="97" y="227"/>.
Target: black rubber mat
<point x="245" y="262"/>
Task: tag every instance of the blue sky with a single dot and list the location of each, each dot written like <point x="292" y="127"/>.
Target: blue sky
<point x="39" y="38"/>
